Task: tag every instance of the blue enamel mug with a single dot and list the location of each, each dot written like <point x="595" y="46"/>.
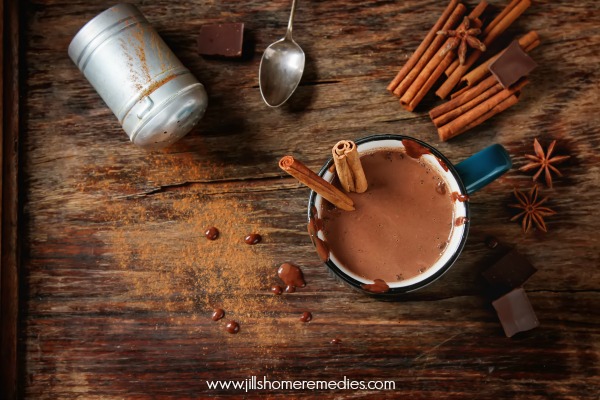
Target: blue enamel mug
<point x="461" y="180"/>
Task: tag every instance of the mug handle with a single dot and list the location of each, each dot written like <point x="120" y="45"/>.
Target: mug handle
<point x="483" y="167"/>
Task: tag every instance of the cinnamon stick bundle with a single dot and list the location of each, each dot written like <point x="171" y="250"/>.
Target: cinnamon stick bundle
<point x="418" y="75"/>
<point x="427" y="77"/>
<point x="455" y="108"/>
<point x="329" y="192"/>
<point x="491" y="103"/>
<point x="495" y="28"/>
<point x="348" y="166"/>
<point x="425" y="44"/>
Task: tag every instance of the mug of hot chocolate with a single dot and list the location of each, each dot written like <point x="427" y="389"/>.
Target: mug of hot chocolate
<point x="407" y="219"/>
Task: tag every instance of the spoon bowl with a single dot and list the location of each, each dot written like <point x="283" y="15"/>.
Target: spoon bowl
<point x="281" y="68"/>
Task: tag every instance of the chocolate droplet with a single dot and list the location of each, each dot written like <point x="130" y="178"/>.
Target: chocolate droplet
<point x="212" y="233"/>
<point x="460" y="197"/>
<point x="217" y="314"/>
<point x="306" y="316"/>
<point x="291" y="275"/>
<point x="336" y="341"/>
<point x="441" y="188"/>
<point x="253" y="238"/>
<point x="461" y="221"/>
<point x="290" y="289"/>
<point x="233" y="327"/>
<point x="276" y="289"/>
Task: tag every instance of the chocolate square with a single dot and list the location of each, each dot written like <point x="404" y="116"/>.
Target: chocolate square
<point x="512" y="65"/>
<point x="515" y="312"/>
<point x="225" y="40"/>
<point x="510" y="272"/>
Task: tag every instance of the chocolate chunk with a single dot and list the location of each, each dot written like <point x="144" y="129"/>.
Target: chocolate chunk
<point x="512" y="65"/>
<point x="510" y="272"/>
<point x="515" y="312"/>
<point x="223" y="40"/>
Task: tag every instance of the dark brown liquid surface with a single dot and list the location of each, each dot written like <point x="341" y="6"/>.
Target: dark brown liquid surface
<point x="401" y="224"/>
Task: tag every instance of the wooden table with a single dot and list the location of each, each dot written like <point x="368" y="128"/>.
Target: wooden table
<point x="116" y="283"/>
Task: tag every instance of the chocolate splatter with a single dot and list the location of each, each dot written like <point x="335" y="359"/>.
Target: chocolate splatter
<point x="414" y="149"/>
<point x="212" y="233"/>
<point x="461" y="221"/>
<point x="217" y="314"/>
<point x="441" y="188"/>
<point x="378" y="286"/>
<point x="306" y="316"/>
<point x="233" y="327"/>
<point x="253" y="238"/>
<point x="460" y="197"/>
<point x="290" y="289"/>
<point x="276" y="289"/>
<point x="320" y="245"/>
<point x="291" y="275"/>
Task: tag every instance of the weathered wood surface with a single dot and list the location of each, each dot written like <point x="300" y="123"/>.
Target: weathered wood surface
<point x="93" y="202"/>
<point x="9" y="204"/>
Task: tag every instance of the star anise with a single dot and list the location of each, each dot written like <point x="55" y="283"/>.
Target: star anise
<point x="543" y="161"/>
<point x="532" y="209"/>
<point x="461" y="37"/>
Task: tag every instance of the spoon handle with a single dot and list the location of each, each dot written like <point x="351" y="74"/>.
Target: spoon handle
<point x="288" y="34"/>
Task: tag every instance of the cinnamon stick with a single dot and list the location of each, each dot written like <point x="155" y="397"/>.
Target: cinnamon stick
<point x="509" y="102"/>
<point x="509" y="7"/>
<point x="431" y="35"/>
<point x="499" y="25"/>
<point x="329" y="192"/>
<point x="433" y="70"/>
<point x="345" y="156"/>
<point x="341" y="167"/>
<point x="527" y="42"/>
<point x="358" y="173"/>
<point x="463" y="108"/>
<point x="458" y="93"/>
<point x="467" y="96"/>
<point x="416" y="72"/>
<point x="433" y="77"/>
<point x="458" y="125"/>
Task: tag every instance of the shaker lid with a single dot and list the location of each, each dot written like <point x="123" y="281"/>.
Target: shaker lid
<point x="171" y="119"/>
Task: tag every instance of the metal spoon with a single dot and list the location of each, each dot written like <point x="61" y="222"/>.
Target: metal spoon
<point x="281" y="68"/>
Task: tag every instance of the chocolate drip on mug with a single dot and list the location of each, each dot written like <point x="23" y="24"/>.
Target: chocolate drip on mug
<point x="461" y="221"/>
<point x="460" y="197"/>
<point x="378" y="286"/>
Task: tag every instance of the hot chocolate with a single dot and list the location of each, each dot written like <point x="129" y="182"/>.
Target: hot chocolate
<point x="401" y="225"/>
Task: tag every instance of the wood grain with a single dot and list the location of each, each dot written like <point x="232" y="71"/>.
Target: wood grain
<point x="88" y="330"/>
<point x="9" y="206"/>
